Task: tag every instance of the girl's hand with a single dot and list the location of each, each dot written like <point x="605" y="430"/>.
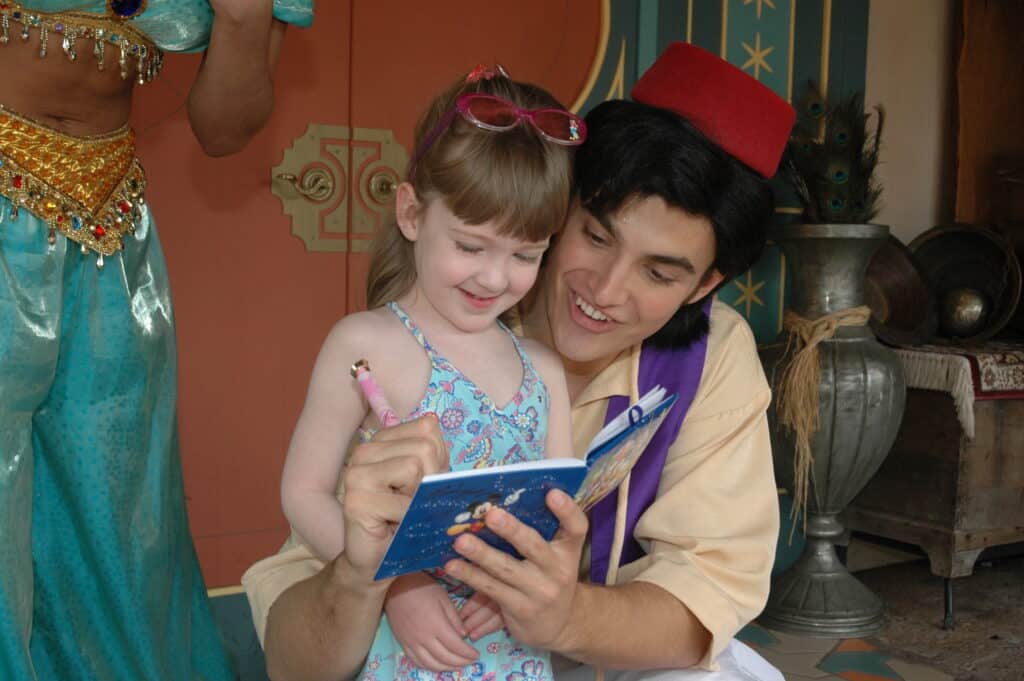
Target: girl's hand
<point x="481" y="616"/>
<point x="426" y="624"/>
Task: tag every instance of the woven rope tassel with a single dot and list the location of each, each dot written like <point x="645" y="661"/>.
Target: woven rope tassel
<point x="797" y="399"/>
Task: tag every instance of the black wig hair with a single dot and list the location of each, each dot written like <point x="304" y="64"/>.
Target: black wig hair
<point x="637" y="150"/>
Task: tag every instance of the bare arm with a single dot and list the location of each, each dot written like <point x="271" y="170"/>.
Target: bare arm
<point x="549" y="366"/>
<point x="333" y="410"/>
<point x="631" y="626"/>
<point x="321" y="628"/>
<point x="233" y="95"/>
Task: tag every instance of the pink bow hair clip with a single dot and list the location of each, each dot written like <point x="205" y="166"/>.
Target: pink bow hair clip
<point x="482" y="71"/>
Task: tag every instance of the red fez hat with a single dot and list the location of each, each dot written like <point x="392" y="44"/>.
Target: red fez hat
<point x="735" y="111"/>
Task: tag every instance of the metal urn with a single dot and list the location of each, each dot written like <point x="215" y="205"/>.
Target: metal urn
<point x="861" y="392"/>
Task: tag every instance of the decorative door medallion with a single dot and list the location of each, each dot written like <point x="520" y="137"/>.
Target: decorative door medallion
<point x="337" y="183"/>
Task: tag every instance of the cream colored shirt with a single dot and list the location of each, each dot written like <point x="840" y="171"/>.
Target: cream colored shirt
<point x="710" y="533"/>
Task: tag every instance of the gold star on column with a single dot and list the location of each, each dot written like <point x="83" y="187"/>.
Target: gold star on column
<point x="757" y="57"/>
<point x="760" y="3"/>
<point x="748" y="293"/>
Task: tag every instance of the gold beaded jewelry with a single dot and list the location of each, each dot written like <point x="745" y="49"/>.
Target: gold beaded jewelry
<point x="89" y="189"/>
<point x="114" y="31"/>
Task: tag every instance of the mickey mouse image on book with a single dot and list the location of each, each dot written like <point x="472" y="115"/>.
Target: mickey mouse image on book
<point x="472" y="520"/>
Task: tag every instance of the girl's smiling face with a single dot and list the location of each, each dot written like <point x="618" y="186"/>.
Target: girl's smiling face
<point x="469" y="274"/>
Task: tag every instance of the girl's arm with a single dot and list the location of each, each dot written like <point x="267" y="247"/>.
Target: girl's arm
<point x="233" y="95"/>
<point x="321" y="628"/>
<point x="333" y="410"/>
<point x="559" y="439"/>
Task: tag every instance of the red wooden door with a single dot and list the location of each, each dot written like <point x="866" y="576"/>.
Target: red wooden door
<point x="252" y="303"/>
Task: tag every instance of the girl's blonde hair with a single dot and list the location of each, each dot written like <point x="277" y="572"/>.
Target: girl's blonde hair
<point x="514" y="177"/>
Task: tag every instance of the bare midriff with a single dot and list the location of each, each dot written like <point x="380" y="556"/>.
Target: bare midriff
<point x="73" y="97"/>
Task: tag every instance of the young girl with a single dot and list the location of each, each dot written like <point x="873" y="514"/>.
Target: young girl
<point x="488" y="185"/>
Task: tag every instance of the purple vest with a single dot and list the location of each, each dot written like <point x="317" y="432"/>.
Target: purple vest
<point x="678" y="371"/>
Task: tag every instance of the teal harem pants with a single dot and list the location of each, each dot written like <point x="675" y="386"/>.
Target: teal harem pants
<point x="98" y="575"/>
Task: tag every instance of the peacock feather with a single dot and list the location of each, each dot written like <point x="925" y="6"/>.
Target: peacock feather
<point x="831" y="159"/>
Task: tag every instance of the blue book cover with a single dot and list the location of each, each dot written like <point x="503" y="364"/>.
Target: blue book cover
<point x="448" y="504"/>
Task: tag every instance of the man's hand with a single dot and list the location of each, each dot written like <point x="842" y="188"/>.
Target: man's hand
<point x="425" y="622"/>
<point x="536" y="595"/>
<point x="321" y="628"/>
<point x="380" y="478"/>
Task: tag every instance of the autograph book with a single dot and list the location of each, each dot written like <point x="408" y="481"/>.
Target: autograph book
<point x="448" y="504"/>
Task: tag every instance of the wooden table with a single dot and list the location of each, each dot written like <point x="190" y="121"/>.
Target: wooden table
<point x="950" y="495"/>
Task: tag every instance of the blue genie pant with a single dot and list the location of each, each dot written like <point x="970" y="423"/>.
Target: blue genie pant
<point x="98" y="576"/>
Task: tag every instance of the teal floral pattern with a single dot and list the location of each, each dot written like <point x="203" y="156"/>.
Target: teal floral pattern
<point x="479" y="434"/>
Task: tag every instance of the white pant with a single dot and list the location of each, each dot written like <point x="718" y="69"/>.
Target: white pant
<point x="736" y="663"/>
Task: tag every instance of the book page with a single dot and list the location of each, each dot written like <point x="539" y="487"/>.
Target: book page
<point x="647" y="404"/>
<point x="538" y="465"/>
<point x="612" y="461"/>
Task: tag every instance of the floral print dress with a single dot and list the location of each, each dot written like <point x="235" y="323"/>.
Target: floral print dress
<point x="478" y="433"/>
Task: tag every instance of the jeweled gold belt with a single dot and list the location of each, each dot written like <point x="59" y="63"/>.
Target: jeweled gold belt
<point x="90" y="189"/>
<point x="112" y="31"/>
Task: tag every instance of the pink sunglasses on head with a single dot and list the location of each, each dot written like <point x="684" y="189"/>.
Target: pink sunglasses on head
<point x="497" y="114"/>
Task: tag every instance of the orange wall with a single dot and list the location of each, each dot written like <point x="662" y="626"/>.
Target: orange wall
<point x="252" y="303"/>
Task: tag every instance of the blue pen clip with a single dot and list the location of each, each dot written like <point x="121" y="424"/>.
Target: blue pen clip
<point x="636" y="415"/>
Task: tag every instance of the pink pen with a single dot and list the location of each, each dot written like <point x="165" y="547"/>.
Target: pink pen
<point x="374" y="395"/>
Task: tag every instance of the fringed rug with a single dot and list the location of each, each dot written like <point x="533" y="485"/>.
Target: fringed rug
<point x="993" y="371"/>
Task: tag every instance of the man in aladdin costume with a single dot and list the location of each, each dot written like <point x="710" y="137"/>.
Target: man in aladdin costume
<point x="98" y="575"/>
<point x="673" y="203"/>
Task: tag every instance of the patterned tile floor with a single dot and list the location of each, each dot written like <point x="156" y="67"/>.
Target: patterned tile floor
<point x="825" y="659"/>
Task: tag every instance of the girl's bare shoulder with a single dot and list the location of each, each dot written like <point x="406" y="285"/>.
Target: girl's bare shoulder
<point x="547" y="361"/>
<point x="363" y="327"/>
<point x="367" y="334"/>
<point x="400" y="365"/>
